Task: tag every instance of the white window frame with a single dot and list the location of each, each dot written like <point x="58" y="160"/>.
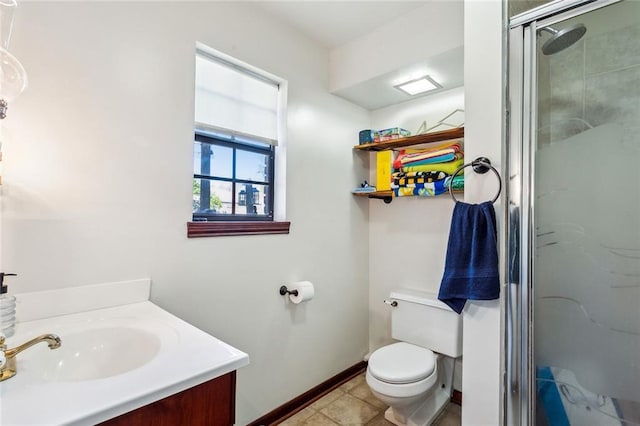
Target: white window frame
<point x="279" y="182"/>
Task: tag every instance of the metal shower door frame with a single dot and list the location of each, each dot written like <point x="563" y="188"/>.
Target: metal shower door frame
<point x="519" y="385"/>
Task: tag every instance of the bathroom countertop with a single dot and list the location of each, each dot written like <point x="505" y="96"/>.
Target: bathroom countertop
<point x="186" y="356"/>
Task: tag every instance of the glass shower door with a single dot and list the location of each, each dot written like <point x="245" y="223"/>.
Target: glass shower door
<point x="582" y="272"/>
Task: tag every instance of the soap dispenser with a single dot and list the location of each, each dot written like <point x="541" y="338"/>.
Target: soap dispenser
<point x="7" y="308"/>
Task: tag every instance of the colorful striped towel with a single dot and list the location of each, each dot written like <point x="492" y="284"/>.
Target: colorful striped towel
<point x="406" y="179"/>
<point x="405" y="158"/>
<point x="457" y="184"/>
<point x="449" y="168"/>
<point x="443" y="158"/>
<point x="433" y="175"/>
<point x="421" y="189"/>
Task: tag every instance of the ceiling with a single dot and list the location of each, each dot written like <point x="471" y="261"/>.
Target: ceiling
<point x="447" y="68"/>
<point x="335" y="23"/>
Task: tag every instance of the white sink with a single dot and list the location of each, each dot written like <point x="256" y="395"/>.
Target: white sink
<point x="114" y="358"/>
<point x="96" y="354"/>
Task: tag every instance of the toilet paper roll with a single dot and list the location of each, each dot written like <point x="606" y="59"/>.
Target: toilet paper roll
<point x="305" y="291"/>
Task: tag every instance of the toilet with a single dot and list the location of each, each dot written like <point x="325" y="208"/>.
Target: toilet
<point x="414" y="376"/>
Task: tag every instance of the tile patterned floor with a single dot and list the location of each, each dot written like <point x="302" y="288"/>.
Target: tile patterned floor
<point x="353" y="404"/>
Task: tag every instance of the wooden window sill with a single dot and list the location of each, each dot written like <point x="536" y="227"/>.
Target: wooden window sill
<point x="225" y="229"/>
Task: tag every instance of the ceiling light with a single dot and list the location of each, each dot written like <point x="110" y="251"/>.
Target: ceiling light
<point x="418" y="85"/>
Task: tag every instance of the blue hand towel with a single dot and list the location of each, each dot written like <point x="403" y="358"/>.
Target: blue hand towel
<point x="471" y="267"/>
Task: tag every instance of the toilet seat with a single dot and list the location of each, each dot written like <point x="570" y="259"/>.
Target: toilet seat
<point x="401" y="363"/>
<point x="406" y="390"/>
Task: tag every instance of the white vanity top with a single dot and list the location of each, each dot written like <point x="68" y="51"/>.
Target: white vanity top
<point x="182" y="356"/>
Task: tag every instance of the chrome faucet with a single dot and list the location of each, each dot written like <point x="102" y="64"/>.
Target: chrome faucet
<point x="8" y="366"/>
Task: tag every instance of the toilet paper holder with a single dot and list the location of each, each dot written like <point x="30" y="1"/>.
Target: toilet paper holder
<point x="284" y="290"/>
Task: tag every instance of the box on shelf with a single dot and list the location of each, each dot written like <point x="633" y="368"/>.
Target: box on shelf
<point x="392" y="133"/>
<point x="384" y="168"/>
<point x="367" y="136"/>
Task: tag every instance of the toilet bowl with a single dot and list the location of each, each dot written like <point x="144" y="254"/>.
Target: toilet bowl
<point x="403" y="376"/>
<point x="414" y="376"/>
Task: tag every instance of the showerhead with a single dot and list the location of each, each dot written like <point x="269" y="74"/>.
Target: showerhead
<point x="561" y="39"/>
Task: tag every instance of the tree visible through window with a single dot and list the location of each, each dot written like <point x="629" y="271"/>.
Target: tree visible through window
<point x="232" y="180"/>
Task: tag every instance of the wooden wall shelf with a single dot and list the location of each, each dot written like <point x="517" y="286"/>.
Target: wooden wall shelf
<point x="445" y="135"/>
<point x="379" y="194"/>
<point x="387" y="196"/>
<point x="374" y="194"/>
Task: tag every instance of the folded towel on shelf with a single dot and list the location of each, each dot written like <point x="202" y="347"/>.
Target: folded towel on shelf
<point x="457" y="184"/>
<point x="440" y="158"/>
<point x="405" y="179"/>
<point x="449" y="168"/>
<point x="430" y="189"/>
<point x="426" y="156"/>
<point x="471" y="266"/>
<point x="437" y="175"/>
<point x="457" y="145"/>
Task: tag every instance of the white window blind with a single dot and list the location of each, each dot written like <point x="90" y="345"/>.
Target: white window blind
<point x="234" y="100"/>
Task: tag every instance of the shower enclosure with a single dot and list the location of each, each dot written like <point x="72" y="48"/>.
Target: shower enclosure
<point x="572" y="301"/>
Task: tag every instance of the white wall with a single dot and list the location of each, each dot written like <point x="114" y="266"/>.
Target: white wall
<point x="407" y="238"/>
<point x="412" y="114"/>
<point x="399" y="229"/>
<point x="483" y="31"/>
<point x="97" y="183"/>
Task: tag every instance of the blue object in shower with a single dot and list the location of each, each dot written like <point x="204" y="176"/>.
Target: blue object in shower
<point x="550" y="397"/>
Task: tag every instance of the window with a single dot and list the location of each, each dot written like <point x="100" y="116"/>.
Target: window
<point x="232" y="180"/>
<point x="235" y="146"/>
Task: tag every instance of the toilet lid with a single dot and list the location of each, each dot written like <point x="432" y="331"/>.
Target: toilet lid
<point x="401" y="363"/>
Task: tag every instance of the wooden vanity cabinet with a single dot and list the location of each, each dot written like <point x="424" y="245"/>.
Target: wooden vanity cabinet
<point x="209" y="404"/>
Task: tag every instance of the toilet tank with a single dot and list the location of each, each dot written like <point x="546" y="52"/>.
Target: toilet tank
<point x="421" y="319"/>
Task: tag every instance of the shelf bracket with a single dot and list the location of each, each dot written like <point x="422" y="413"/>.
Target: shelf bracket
<point x="386" y="198"/>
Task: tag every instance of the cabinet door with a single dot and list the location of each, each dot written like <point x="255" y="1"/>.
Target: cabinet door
<point x="209" y="404"/>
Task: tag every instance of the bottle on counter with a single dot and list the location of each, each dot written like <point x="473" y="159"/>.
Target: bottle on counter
<point x="7" y="308"/>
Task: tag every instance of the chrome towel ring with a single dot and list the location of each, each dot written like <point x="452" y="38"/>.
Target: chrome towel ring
<point x="480" y="165"/>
